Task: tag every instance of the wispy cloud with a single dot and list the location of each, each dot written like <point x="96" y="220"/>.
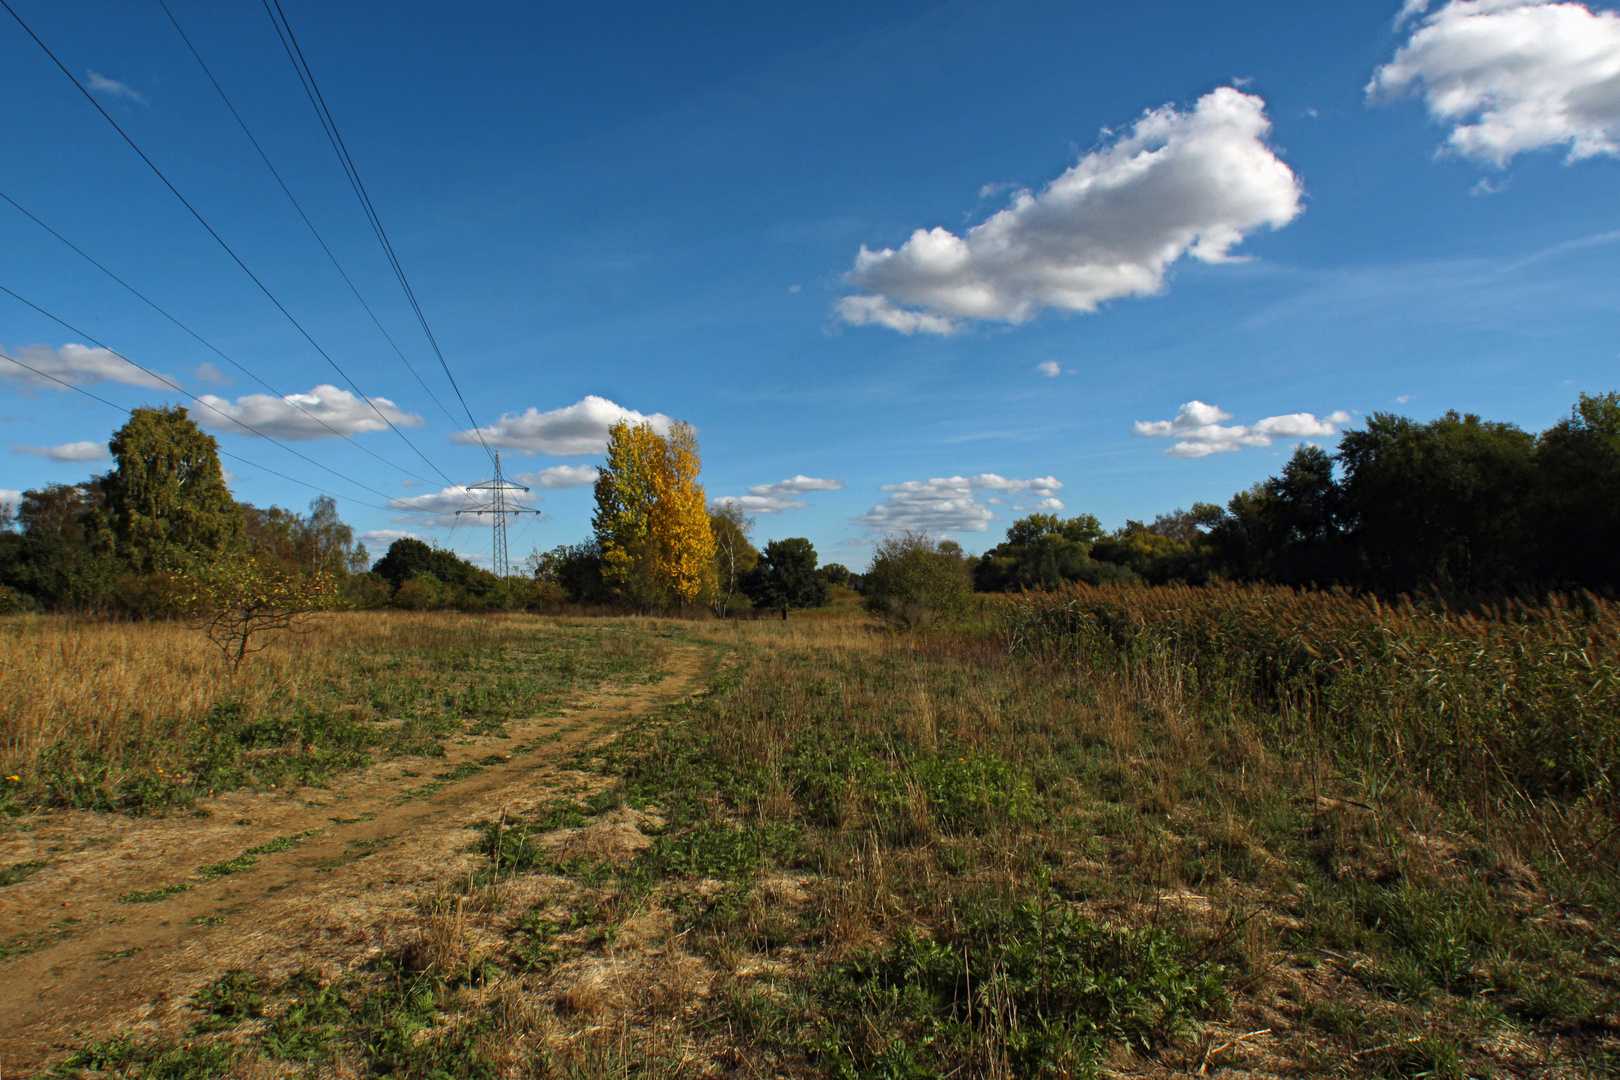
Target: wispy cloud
<point x="437" y="510"/>
<point x="98" y="83"/>
<point x="1180" y="183"/>
<point x="377" y="540"/>
<point x="797" y="485"/>
<point x="1198" y="430"/>
<point x="73" y="451"/>
<point x="760" y="504"/>
<point x="572" y="431"/>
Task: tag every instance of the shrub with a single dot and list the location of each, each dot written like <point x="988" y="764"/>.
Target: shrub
<point x="420" y="593"/>
<point x="916" y="580"/>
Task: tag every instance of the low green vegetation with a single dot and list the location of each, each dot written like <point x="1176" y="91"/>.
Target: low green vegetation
<point x="1090" y="834"/>
<point x="152" y="896"/>
<point x="20" y="871"/>
<point x="250" y="858"/>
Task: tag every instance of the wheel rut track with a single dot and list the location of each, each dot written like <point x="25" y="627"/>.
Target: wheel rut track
<point x="131" y="965"/>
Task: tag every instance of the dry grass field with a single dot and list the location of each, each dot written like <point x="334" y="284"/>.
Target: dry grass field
<point x="1105" y="833"/>
<point x="142" y="716"/>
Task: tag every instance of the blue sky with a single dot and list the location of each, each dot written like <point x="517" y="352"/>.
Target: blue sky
<point x="1120" y="257"/>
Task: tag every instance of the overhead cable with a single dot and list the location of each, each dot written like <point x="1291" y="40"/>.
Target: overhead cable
<point x="208" y="344"/>
<point x="222" y="453"/>
<point x="298" y="207"/>
<point x="306" y="76"/>
<point x="182" y="390"/>
<point x="219" y="239"/>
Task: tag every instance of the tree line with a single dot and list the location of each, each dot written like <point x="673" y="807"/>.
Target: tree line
<point x="1452" y="505"/>
<point x="1455" y="505"/>
<point x="160" y="532"/>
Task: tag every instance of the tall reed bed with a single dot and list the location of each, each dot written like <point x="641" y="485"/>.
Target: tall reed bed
<point x="1512" y="700"/>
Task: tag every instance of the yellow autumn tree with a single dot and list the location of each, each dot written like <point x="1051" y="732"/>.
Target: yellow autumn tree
<point x="651" y="517"/>
<point x="684" y="544"/>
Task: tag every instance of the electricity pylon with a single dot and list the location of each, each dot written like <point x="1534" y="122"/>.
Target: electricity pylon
<point x="498" y="507"/>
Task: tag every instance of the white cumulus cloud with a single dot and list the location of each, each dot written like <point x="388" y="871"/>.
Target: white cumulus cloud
<point x="77" y="364"/>
<point x="560" y="476"/>
<point x="10" y="498"/>
<point x="780" y="496"/>
<point x="301" y="416"/>
<point x="797" y="485"/>
<point x="98" y="83"/>
<point x="1050" y="368"/>
<point x="437" y="510"/>
<point x="760" y="504"/>
<point x="572" y="431"/>
<point x="946" y="503"/>
<point x="1198" y="430"/>
<point x="1179" y="183"/>
<point x="1512" y="76"/>
<point x="73" y="451"/>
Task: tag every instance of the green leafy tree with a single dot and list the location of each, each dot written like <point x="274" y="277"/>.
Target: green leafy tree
<point x="735" y="557"/>
<point x="60" y="556"/>
<point x="318" y="541"/>
<point x="446" y="579"/>
<point x="1042" y="551"/>
<point x="837" y="574"/>
<point x="786" y="577"/>
<point x="915" y="580"/>
<point x="1287" y="529"/>
<point x="1578" y="486"/>
<point x="1437" y="505"/>
<point x="575" y="569"/>
<point x="166" y="499"/>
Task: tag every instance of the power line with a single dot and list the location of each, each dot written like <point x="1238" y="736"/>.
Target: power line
<point x="182" y="390"/>
<point x="222" y="453"/>
<point x="306" y="77"/>
<point x="296" y="206"/>
<point x="216" y="350"/>
<point x="221" y="240"/>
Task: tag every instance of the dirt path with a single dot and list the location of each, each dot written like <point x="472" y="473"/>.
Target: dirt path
<point x="366" y="850"/>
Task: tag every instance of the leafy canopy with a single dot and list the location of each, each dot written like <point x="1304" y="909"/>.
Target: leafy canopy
<point x="786" y="577"/>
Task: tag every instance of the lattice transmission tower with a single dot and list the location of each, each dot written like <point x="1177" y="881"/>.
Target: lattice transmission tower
<point x="499" y="507"/>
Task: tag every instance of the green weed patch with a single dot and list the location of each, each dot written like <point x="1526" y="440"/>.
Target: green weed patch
<point x="20" y="871"/>
<point x="1038" y="987"/>
<point x="250" y="858"/>
<point x="153" y="896"/>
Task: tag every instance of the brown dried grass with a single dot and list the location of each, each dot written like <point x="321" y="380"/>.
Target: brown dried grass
<point x="101" y="687"/>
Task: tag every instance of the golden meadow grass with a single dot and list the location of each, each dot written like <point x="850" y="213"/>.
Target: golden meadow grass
<point x="1143" y="832"/>
<point x="91" y="706"/>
